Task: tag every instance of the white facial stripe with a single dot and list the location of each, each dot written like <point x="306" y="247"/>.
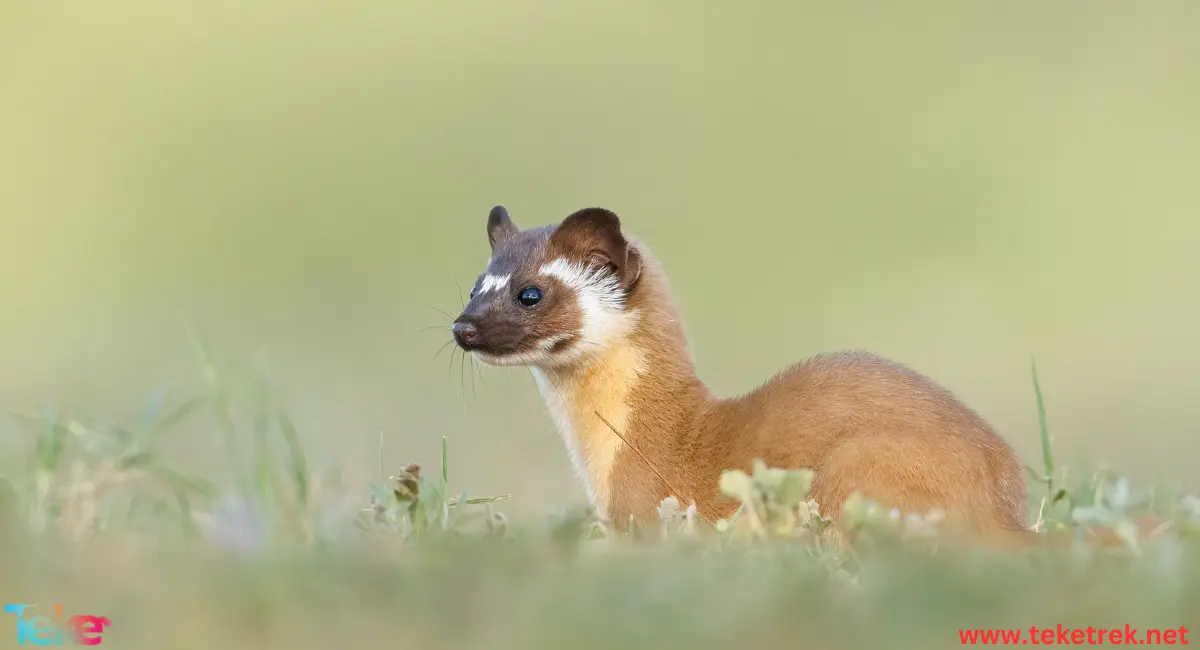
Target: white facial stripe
<point x="494" y="282"/>
<point x="601" y="301"/>
<point x="603" y="287"/>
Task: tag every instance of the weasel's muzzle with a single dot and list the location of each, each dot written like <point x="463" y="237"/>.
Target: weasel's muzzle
<point x="465" y="333"/>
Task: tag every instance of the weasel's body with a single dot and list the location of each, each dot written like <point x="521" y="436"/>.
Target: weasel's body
<point x="590" y="312"/>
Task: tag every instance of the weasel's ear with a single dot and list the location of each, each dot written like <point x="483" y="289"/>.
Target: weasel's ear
<point x="499" y="226"/>
<point x="594" y="235"/>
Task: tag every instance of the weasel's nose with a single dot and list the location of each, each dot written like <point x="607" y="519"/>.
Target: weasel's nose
<point x="464" y="333"/>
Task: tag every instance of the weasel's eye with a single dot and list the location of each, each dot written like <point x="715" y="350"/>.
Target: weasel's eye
<point x="529" y="296"/>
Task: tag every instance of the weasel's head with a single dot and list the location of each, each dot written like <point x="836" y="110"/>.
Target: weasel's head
<point x="553" y="295"/>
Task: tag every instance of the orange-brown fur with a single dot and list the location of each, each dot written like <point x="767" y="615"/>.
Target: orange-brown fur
<point x="861" y="422"/>
<point x="602" y="336"/>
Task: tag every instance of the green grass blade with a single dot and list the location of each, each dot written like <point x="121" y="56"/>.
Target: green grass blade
<point x="51" y="444"/>
<point x="296" y="454"/>
<point x="184" y="503"/>
<point x="445" y="486"/>
<point x="483" y="500"/>
<point x="1047" y="457"/>
<point x="137" y="460"/>
<point x="187" y="482"/>
<point x="265" y="470"/>
<point x="176" y="416"/>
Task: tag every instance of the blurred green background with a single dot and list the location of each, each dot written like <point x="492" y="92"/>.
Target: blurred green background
<point x="958" y="186"/>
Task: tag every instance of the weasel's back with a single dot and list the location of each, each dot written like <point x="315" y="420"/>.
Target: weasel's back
<point x="865" y="423"/>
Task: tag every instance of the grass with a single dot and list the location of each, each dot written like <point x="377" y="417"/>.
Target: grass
<point x="278" y="555"/>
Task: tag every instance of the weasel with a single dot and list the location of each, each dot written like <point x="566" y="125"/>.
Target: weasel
<point x="588" y="309"/>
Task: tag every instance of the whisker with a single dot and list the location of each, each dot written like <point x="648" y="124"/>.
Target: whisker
<point x="474" y="372"/>
<point x="460" y="294"/>
<point x="440" y="312"/>
<point x="442" y="349"/>
<point x="462" y="375"/>
<point x="444" y="328"/>
<point x="479" y="371"/>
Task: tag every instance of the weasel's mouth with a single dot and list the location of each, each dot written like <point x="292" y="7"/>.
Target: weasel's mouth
<point x="483" y="348"/>
<point x="490" y="353"/>
<point x="548" y="353"/>
<point x="504" y="358"/>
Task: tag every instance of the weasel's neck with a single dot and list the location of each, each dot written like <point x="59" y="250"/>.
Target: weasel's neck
<point x="575" y="396"/>
<point x="645" y="386"/>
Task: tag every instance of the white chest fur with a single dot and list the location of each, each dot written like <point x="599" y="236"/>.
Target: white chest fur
<point x="573" y="397"/>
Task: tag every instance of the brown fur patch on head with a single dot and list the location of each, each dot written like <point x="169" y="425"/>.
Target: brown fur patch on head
<point x="593" y="237"/>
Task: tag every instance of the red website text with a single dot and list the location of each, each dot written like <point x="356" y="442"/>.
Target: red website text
<point x="1059" y="635"/>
